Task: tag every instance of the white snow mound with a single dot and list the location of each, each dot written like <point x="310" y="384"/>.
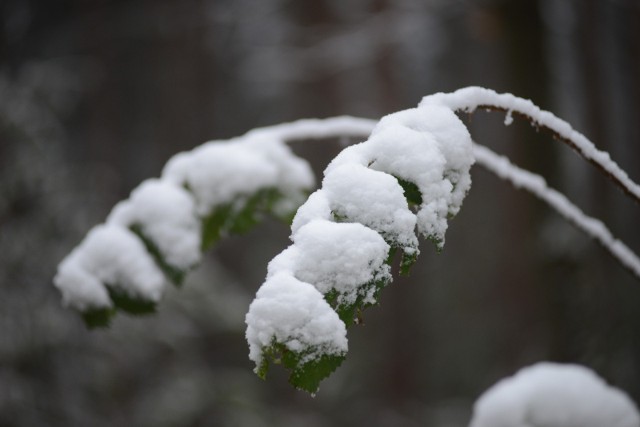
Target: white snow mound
<point x="295" y="314"/>
<point x="554" y="395"/>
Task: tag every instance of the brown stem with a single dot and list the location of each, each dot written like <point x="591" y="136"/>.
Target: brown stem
<point x="566" y="141"/>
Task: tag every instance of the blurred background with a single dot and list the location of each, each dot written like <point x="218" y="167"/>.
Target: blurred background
<point x="95" y="96"/>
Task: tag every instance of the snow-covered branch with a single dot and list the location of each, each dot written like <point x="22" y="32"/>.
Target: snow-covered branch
<point x="332" y="127"/>
<point x="406" y="180"/>
<point x="536" y="185"/>
<point x="471" y="98"/>
<point x="411" y="174"/>
<point x="468" y="100"/>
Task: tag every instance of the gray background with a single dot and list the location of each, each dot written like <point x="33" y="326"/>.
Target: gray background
<point x="95" y="96"/>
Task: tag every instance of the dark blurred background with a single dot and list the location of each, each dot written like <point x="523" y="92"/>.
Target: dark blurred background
<point x="95" y="96"/>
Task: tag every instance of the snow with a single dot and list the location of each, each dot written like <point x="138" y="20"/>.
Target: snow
<point x="218" y="172"/>
<point x="469" y="99"/>
<point x="429" y="147"/>
<point x="358" y="154"/>
<point x="167" y="216"/>
<point x="415" y="157"/>
<point x="341" y="234"/>
<point x="341" y="126"/>
<point x="294" y="176"/>
<point x="372" y="198"/>
<point x="109" y="255"/>
<point x="432" y="148"/>
<point x="508" y="118"/>
<point x="316" y="207"/>
<point x="554" y="395"/>
<point x="447" y="129"/>
<point x="335" y="256"/>
<point x="295" y="314"/>
<point x="168" y="211"/>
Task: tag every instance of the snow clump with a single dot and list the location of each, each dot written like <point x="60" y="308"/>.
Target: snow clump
<point x="428" y="147"/>
<point x="293" y="313"/>
<point x="220" y="172"/>
<point x="166" y="216"/>
<point x="372" y="198"/>
<point x="340" y="257"/>
<point x="554" y="395"/>
<point x="112" y="255"/>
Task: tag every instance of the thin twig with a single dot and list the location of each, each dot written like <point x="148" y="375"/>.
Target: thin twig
<point x="607" y="173"/>
<point x="536" y="185"/>
<point x="471" y="98"/>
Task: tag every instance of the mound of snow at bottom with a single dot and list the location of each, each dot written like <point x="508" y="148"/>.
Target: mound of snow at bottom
<point x="554" y="395"/>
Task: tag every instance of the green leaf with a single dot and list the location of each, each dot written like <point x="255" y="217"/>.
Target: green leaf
<point x="129" y="304"/>
<point x="249" y="213"/>
<point x="101" y="317"/>
<point x="407" y="261"/>
<point x="393" y="250"/>
<point x="175" y="274"/>
<point x="213" y="225"/>
<point x="411" y="192"/>
<point x="350" y="313"/>
<point x="236" y="217"/>
<point x="344" y="311"/>
<point x="439" y="244"/>
<point x="98" y="317"/>
<point x="239" y="216"/>
<point x="305" y="375"/>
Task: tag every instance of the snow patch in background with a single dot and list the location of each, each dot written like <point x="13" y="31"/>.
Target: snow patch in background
<point x="554" y="395"/>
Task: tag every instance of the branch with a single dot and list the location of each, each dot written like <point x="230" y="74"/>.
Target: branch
<point x="537" y="186"/>
<point x="471" y="98"/>
<point x="407" y="179"/>
<point x="332" y="127"/>
<point x="494" y="163"/>
<point x="225" y="187"/>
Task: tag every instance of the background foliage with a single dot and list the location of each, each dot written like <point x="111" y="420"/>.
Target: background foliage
<point x="96" y="96"/>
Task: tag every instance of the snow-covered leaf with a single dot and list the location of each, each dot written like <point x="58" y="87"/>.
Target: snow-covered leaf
<point x="306" y="373"/>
